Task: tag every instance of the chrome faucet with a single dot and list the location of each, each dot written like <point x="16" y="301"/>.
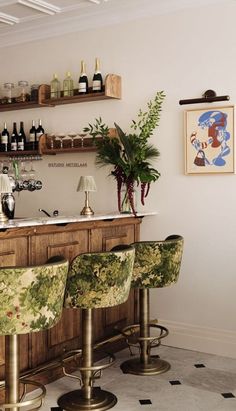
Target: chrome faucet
<point x="55" y="212"/>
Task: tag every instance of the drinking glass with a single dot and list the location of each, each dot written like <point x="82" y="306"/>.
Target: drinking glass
<point x="61" y="136"/>
<point x="31" y="170"/>
<point x="82" y="136"/>
<point x="52" y="141"/>
<point x="23" y="171"/>
<point x="72" y="136"/>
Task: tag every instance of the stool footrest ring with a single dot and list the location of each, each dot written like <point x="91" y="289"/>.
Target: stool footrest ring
<point x="34" y="401"/>
<point x="95" y="369"/>
<point x="130" y="331"/>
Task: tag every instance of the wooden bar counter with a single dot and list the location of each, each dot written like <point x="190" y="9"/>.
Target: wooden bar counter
<point x="32" y="241"/>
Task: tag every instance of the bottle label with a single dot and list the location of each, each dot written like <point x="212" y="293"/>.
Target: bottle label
<point x="20" y="145"/>
<point x="14" y="146"/>
<point x="97" y="85"/>
<point x="32" y="137"/>
<point x="82" y="87"/>
<point x="38" y="135"/>
<point x="4" y="139"/>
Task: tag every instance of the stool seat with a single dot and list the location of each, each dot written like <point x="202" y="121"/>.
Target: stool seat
<point x="95" y="280"/>
<point x="157" y="264"/>
<point x="31" y="301"/>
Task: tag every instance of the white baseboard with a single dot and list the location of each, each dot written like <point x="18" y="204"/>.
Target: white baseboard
<point x="203" y="339"/>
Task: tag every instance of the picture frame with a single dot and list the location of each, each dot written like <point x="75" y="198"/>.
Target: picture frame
<point x="210" y="140"/>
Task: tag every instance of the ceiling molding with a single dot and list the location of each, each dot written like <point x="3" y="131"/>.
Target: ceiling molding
<point x="8" y="19"/>
<point x="81" y="15"/>
<point x="41" y="6"/>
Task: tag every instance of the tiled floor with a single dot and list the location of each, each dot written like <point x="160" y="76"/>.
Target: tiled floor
<point x="195" y="382"/>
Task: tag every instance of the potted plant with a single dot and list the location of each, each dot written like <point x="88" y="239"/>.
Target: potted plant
<point x="130" y="154"/>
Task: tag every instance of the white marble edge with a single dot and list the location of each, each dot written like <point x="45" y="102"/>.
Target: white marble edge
<point x="36" y="221"/>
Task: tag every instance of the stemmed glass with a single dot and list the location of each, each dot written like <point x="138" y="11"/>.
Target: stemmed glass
<point x="72" y="137"/>
<point x="61" y="136"/>
<point x="82" y="136"/>
<point x="52" y="141"/>
<point x="31" y="170"/>
<point x="23" y="171"/>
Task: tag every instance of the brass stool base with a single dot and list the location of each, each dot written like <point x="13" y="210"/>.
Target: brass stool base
<point x="73" y="401"/>
<point x="154" y="367"/>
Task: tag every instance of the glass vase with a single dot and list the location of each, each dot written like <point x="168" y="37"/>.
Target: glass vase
<point x="125" y="206"/>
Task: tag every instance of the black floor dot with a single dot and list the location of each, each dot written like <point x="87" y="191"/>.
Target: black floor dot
<point x="145" y="402"/>
<point x="56" y="409"/>
<point x="175" y="382"/>
<point x="199" y="365"/>
<point x="228" y="395"/>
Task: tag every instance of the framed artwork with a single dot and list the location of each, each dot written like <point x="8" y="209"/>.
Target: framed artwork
<point x="209" y="140"/>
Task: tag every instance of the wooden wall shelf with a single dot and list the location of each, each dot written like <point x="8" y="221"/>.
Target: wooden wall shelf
<point x="19" y="153"/>
<point x="19" y="106"/>
<point x="112" y="90"/>
<point x="45" y="141"/>
<point x="44" y="91"/>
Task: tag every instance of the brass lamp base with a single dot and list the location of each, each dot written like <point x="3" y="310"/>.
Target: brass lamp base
<point x="155" y="366"/>
<point x="87" y="211"/>
<point x="74" y="400"/>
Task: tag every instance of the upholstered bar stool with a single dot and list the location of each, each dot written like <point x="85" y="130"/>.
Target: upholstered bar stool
<point x="31" y="301"/>
<point x="95" y="280"/>
<point x="157" y="264"/>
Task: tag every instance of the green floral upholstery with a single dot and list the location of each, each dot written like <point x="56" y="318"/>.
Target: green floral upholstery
<point x="31" y="297"/>
<point x="157" y="263"/>
<point x="97" y="280"/>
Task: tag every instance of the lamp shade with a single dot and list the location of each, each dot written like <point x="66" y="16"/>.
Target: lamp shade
<point x="5" y="184"/>
<point x="87" y="183"/>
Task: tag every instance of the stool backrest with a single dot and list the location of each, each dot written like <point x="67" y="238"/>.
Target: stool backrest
<point x="31" y="298"/>
<point x="157" y="263"/>
<point x="97" y="280"/>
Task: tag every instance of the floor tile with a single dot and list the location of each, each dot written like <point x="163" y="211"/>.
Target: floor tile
<point x="195" y="382"/>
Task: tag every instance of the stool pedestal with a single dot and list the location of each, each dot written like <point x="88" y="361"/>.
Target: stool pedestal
<point x="146" y="364"/>
<point x="88" y="397"/>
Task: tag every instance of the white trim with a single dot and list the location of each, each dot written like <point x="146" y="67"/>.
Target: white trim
<point x="90" y="18"/>
<point x="8" y="19"/>
<point x="40" y="5"/>
<point x="203" y="339"/>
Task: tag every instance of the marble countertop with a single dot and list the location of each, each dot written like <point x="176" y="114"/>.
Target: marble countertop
<point x="44" y="220"/>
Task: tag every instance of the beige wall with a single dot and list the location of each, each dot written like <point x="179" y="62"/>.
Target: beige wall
<point x="183" y="54"/>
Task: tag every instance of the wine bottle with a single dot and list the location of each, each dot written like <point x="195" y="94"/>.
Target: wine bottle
<point x="55" y="91"/>
<point x="68" y="85"/>
<point x="83" y="80"/>
<point x="4" y="139"/>
<point x="32" y="136"/>
<point x="39" y="133"/>
<point x="21" y="144"/>
<point x="14" y="138"/>
<point x="97" y="78"/>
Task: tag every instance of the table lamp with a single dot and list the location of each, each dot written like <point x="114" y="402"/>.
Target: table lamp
<point x="87" y="184"/>
<point x="5" y="187"/>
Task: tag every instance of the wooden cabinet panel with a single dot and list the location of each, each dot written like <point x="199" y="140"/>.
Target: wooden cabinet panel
<point x="14" y="251"/>
<point x="104" y="239"/>
<point x="68" y="244"/>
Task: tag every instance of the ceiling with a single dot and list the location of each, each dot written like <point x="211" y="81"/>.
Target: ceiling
<point x="28" y="20"/>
